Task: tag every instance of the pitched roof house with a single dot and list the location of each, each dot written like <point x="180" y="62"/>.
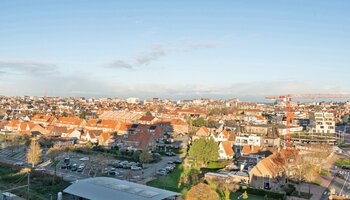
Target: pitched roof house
<point x="44" y="120"/>
<point x="106" y="139"/>
<point x="140" y="141"/>
<point x="225" y="150"/>
<point x="102" y="124"/>
<point x="147" y="119"/>
<point x="70" y="122"/>
<point x="202" y="132"/>
<point x="270" y="172"/>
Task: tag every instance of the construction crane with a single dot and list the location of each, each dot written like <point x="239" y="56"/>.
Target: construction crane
<point x="288" y="98"/>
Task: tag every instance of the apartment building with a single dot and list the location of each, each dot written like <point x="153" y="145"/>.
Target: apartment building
<point x="324" y="122"/>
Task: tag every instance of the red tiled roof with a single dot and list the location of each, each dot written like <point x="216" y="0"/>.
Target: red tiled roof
<point x="250" y="149"/>
<point x="147" y="118"/>
<point x="70" y="120"/>
<point x="142" y="139"/>
<point x="227" y="148"/>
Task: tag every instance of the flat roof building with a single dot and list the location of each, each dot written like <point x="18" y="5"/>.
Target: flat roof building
<point x="104" y="188"/>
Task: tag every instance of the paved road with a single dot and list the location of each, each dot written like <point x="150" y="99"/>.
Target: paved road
<point x="341" y="185"/>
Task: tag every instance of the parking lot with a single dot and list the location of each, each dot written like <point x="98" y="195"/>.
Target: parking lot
<point x="93" y="165"/>
<point x="107" y="166"/>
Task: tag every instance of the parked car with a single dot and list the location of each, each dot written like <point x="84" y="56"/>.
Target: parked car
<point x="39" y="169"/>
<point x="126" y="166"/>
<point x="19" y="163"/>
<point x="123" y="164"/>
<point x="345" y="167"/>
<point x="80" y="169"/>
<point x="162" y="172"/>
<point x="112" y="171"/>
<point x="74" y="167"/>
<point x="169" y="168"/>
<point x="135" y="168"/>
<point x="116" y="163"/>
<point x="66" y="160"/>
<point x="63" y="166"/>
<point x="169" y="153"/>
<point x="177" y="161"/>
<point x="84" y="159"/>
<point x="69" y="166"/>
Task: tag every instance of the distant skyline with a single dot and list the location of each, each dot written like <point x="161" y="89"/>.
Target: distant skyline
<point x="174" y="49"/>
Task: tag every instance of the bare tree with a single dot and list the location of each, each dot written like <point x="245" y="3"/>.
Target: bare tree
<point x="34" y="153"/>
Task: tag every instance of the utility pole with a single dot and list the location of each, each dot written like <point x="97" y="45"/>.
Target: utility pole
<point x="28" y="185"/>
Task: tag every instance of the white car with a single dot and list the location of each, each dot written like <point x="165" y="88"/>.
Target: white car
<point x="39" y="169"/>
<point x="135" y="168"/>
<point x="84" y="159"/>
<point x="19" y="163"/>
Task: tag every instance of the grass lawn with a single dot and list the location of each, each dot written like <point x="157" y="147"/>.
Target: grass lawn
<point x="303" y="195"/>
<point x="324" y="172"/>
<point x="343" y="161"/>
<point x="41" y="186"/>
<point x="217" y="165"/>
<point x="235" y="195"/>
<point x="169" y="182"/>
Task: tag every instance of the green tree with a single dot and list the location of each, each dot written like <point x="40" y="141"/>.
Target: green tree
<point x="34" y="153"/>
<point x="145" y="157"/>
<point x="148" y="113"/>
<point x="83" y="114"/>
<point x="345" y="119"/>
<point x="136" y="155"/>
<point x="204" y="150"/>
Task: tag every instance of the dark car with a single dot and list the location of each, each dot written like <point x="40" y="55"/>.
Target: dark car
<point x="66" y="160"/>
<point x="80" y="169"/>
<point x="69" y="166"/>
<point x="112" y="171"/>
<point x="177" y="161"/>
<point x="345" y="167"/>
<point x="64" y="167"/>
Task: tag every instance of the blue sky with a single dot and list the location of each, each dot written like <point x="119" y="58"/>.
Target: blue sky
<point x="174" y="49"/>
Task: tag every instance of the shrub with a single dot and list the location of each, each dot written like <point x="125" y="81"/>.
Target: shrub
<point x="289" y="189"/>
<point x="261" y="192"/>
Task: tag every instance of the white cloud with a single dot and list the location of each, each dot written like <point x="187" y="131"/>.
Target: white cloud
<point x="19" y="67"/>
<point x="157" y="51"/>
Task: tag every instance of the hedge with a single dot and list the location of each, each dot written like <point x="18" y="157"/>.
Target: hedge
<point x="261" y="192"/>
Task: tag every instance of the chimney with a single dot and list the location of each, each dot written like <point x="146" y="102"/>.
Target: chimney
<point x="242" y="167"/>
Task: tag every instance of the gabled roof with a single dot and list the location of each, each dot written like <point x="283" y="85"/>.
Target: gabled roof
<point x="69" y="121"/>
<point x="142" y="139"/>
<point x="13" y="123"/>
<point x="203" y="132"/>
<point x="147" y="118"/>
<point x="226" y="134"/>
<point x="102" y="123"/>
<point x="43" y="118"/>
<point x="273" y="164"/>
<point x="227" y="148"/>
<point x="250" y="149"/>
